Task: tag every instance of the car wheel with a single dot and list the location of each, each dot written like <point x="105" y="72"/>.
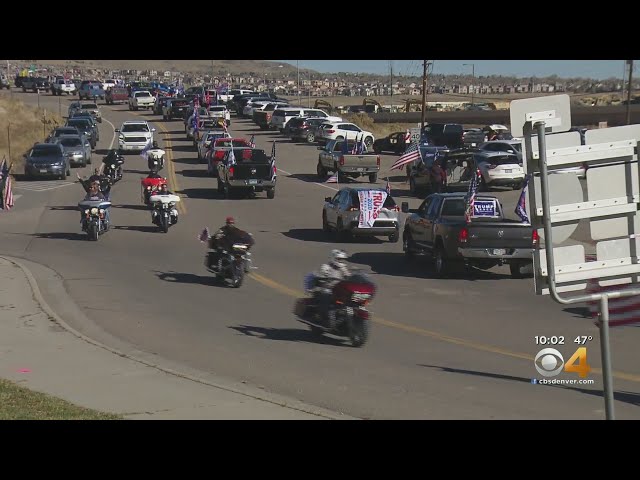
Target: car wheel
<point x="271" y="193"/>
<point x="377" y="149"/>
<point x="395" y="237"/>
<point x="440" y="264"/>
<point x="373" y="177"/>
<point x="407" y="245"/>
<point x="515" y="269"/>
<point x="311" y="137"/>
<point x="340" y="138"/>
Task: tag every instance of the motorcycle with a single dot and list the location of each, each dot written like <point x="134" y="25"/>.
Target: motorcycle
<point x="164" y="213"/>
<point x="231" y="266"/>
<point x="349" y="299"/>
<point x="156" y="161"/>
<point x="94" y="218"/>
<point x="113" y="171"/>
<point x="148" y="186"/>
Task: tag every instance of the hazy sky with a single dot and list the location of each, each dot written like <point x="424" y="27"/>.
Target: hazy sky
<point x="599" y="69"/>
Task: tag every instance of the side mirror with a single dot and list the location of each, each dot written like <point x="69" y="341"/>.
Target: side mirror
<point x="153" y="129"/>
<point x="117" y="130"/>
<point x="405" y="207"/>
<point x="326" y="199"/>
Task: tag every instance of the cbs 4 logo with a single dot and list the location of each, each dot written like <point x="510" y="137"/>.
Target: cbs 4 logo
<point x="549" y="362"/>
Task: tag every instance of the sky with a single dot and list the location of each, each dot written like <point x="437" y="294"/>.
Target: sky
<point x="598" y="69"/>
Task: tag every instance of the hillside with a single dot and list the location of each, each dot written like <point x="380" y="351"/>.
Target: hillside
<point x="258" y="67"/>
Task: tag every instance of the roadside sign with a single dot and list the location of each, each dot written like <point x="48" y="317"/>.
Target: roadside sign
<point x="415" y="134"/>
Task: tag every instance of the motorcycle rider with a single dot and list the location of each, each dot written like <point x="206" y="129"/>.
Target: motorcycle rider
<point x="329" y="275"/>
<point x="95" y="194"/>
<point x="157" y="153"/>
<point x="112" y="158"/>
<point x="104" y="183"/>
<point x="164" y="190"/>
<point x="224" y="239"/>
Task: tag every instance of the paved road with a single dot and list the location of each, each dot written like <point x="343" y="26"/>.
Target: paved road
<point x="454" y="348"/>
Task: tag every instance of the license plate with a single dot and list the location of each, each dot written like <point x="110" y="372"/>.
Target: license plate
<point x="508" y="171"/>
<point x="499" y="251"/>
<point x="253" y="182"/>
<point x="473" y="144"/>
<point x="361" y="169"/>
<point x="43" y="170"/>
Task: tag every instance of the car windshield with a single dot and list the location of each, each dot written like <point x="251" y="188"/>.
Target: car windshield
<point x="227" y="143"/>
<point x="388" y="203"/>
<point x="79" y="122"/>
<point x="65" y="131"/>
<point x="217" y="109"/>
<point x="143" y="94"/>
<point x="501" y="160"/>
<point x="89" y="106"/>
<point x="44" y="151"/>
<point x="71" y="142"/>
<point x="135" y="127"/>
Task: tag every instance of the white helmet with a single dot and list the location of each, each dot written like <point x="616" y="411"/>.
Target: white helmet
<point x="338" y="257"/>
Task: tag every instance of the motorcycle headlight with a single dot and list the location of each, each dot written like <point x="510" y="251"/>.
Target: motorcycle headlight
<point x="148" y="188"/>
<point x="94" y="211"/>
<point x="86" y="211"/>
<point x="101" y="210"/>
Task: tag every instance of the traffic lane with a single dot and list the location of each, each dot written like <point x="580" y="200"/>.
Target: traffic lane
<point x="505" y="305"/>
<point x="137" y="282"/>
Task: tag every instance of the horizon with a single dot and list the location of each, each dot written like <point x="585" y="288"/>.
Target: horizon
<point x="596" y="69"/>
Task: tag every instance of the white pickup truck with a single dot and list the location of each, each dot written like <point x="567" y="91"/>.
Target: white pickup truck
<point x="220" y="111"/>
<point x="141" y="99"/>
<point x="61" y="86"/>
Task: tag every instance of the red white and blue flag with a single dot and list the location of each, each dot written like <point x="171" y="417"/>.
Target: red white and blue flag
<point x="521" y="207"/>
<point x="204" y="235"/>
<point x="471" y="195"/>
<point x="412" y="154"/>
<point x="7" y="186"/>
<point x="252" y="141"/>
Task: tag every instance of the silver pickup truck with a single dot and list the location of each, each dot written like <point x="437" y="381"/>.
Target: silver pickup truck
<point x="333" y="159"/>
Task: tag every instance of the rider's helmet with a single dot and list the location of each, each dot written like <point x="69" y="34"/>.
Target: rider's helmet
<point x="338" y="258"/>
<point x="230" y="221"/>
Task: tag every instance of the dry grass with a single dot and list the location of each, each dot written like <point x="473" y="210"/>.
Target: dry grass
<point x="25" y="125"/>
<point x="379" y="130"/>
<point x="19" y="403"/>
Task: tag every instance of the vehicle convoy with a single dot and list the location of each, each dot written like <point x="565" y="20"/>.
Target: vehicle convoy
<point x="439" y="229"/>
<point x="335" y="157"/>
<point x="349" y="300"/>
<point x="246" y="170"/>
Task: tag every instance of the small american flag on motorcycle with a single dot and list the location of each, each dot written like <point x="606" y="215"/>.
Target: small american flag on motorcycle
<point x="204" y="235"/>
<point x="252" y="141"/>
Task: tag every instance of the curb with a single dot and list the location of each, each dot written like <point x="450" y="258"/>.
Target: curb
<point x="37" y="294"/>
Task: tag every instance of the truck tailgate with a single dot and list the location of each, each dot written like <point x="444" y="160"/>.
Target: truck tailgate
<point x="246" y="171"/>
<point x="487" y="234"/>
<point x="359" y="160"/>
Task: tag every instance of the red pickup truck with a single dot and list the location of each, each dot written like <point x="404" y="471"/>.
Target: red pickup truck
<point x="116" y="95"/>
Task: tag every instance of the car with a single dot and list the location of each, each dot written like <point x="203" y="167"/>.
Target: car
<point x="92" y="108"/>
<point x="499" y="169"/>
<point x="207" y="138"/>
<point x="304" y="128"/>
<point x="134" y="135"/>
<point x="58" y="131"/>
<point x="509" y="146"/>
<point x="342" y="130"/>
<point x="251" y="171"/>
<point x="341" y="215"/>
<point x="86" y="115"/>
<point x="86" y="126"/>
<point x="47" y="160"/>
<point x="76" y="149"/>
<point x="397" y="142"/>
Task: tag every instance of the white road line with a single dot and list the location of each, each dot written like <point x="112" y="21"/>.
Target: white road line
<point x="113" y="127"/>
<point x="16" y="197"/>
<point x="319" y="184"/>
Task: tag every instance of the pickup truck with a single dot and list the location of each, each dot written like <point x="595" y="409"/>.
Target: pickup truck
<point x="333" y="159"/>
<point x="141" y="99"/>
<point x="115" y="95"/>
<point x="175" y="107"/>
<point x="262" y="118"/>
<point x="443" y="135"/>
<point x="439" y="229"/>
<point x="61" y="86"/>
<point x="250" y="171"/>
<point x="35" y="83"/>
<point x="91" y="91"/>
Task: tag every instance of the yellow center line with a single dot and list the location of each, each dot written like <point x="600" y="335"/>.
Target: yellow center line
<point x="431" y="334"/>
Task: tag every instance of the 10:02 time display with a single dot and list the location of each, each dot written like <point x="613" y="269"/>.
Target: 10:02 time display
<point x="553" y="340"/>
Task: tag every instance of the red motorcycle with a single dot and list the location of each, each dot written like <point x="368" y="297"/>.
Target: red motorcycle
<point x="349" y="300"/>
<point x="148" y="186"/>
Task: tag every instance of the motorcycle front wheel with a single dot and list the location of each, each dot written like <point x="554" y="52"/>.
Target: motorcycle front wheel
<point x="358" y="332"/>
<point x="238" y="274"/>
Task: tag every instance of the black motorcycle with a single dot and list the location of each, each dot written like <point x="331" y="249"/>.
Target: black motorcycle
<point x="349" y="299"/>
<point x="94" y="218"/>
<point x="113" y="170"/>
<point x="230" y="266"/>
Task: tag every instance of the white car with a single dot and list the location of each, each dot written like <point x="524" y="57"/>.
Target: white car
<point x="499" y="169"/>
<point x="250" y="107"/>
<point x="220" y="111"/>
<point x="281" y="116"/>
<point x="141" y="99"/>
<point x="108" y="84"/>
<point x="134" y="135"/>
<point x="340" y="131"/>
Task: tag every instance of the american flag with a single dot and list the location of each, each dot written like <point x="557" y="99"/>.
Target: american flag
<point x="204" y="235"/>
<point x="622" y="311"/>
<point x="333" y="178"/>
<point x="471" y="195"/>
<point x="521" y="207"/>
<point x="388" y="187"/>
<point x="345" y="146"/>
<point x="145" y="151"/>
<point x="232" y="156"/>
<point x="7" y="190"/>
<point x="252" y="141"/>
<point x="354" y="150"/>
<point x="412" y="154"/>
<point x="273" y="151"/>
<point x="2" y="166"/>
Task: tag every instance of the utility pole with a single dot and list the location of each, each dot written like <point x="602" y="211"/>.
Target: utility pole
<point x="211" y="71"/>
<point x="630" y="62"/>
<point x="424" y="93"/>
<point x="391" y="82"/>
<point x="298" y="89"/>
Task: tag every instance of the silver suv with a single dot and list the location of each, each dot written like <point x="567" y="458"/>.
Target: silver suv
<point x="342" y="212"/>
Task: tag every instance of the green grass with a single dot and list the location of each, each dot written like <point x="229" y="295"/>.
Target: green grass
<point x="19" y="403"/>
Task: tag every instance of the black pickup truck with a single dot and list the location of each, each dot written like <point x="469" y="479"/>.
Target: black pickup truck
<point x="249" y="171"/>
<point x="175" y="108"/>
<point x="443" y="135"/>
<point x="36" y="84"/>
<point x="439" y="229"/>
